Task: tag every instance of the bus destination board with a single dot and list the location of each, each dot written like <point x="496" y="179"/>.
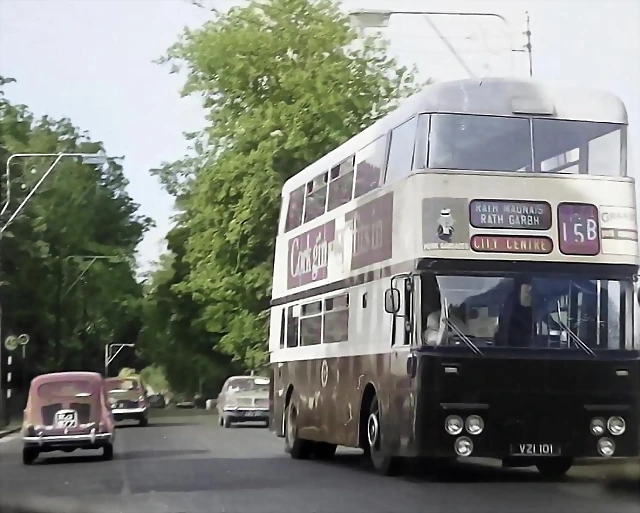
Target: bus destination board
<point x="511" y="244"/>
<point x="511" y="215"/>
<point x="578" y="229"/>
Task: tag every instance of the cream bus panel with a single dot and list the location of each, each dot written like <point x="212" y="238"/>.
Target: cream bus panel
<point x="562" y="219"/>
<point x="456" y="215"/>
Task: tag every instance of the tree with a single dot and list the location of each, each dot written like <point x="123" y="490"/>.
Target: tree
<point x="69" y="308"/>
<point x="283" y="83"/>
<point x="174" y="336"/>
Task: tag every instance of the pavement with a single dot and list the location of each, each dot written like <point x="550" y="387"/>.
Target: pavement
<point x="9" y="430"/>
<point x="187" y="463"/>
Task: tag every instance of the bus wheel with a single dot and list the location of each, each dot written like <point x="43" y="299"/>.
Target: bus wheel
<point x="383" y="464"/>
<point x="554" y="467"/>
<point x="298" y="448"/>
<point x="324" y="450"/>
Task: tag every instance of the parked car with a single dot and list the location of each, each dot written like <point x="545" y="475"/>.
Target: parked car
<point x="128" y="399"/>
<point x="186" y="402"/>
<point x="67" y="411"/>
<point x="157" y="401"/>
<point x="244" y="399"/>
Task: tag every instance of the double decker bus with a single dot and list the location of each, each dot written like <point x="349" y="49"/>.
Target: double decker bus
<point x="457" y="281"/>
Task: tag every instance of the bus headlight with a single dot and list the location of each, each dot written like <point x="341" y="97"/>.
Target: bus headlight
<point x="616" y="425"/>
<point x="597" y="426"/>
<point x="463" y="446"/>
<point x="474" y="425"/>
<point x="453" y="425"/>
<point x="606" y="447"/>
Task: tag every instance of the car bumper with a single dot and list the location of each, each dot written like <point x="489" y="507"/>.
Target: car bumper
<point x="248" y="414"/>
<point x="83" y="440"/>
<point x="129" y="413"/>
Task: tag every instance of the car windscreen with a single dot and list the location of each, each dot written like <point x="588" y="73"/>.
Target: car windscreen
<point x="249" y="385"/>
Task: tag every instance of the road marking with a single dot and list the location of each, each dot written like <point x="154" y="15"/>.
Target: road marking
<point x="8" y="438"/>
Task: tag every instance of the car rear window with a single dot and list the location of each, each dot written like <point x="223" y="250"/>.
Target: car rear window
<point x="66" y="389"/>
<point x="123" y="384"/>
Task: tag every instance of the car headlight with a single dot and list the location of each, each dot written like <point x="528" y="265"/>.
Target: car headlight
<point x="616" y="425"/>
<point x="597" y="426"/>
<point x="453" y="425"/>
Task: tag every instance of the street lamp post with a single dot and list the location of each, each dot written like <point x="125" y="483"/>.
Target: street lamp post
<point x="379" y="18"/>
<point x="108" y="357"/>
<point x="86" y="158"/>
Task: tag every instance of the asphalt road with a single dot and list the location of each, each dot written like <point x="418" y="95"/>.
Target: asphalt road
<point x="189" y="464"/>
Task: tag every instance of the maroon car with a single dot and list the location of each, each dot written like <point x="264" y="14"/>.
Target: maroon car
<point x="67" y="411"/>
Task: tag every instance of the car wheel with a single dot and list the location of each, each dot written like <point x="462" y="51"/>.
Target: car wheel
<point x="29" y="455"/>
<point x="144" y="422"/>
<point x="107" y="452"/>
<point x="227" y="421"/>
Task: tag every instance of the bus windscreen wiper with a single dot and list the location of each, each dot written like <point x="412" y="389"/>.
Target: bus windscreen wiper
<point x="578" y="341"/>
<point x="464" y="338"/>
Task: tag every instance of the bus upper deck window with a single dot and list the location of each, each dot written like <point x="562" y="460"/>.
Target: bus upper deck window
<point x="370" y="162"/>
<point x="400" y="161"/>
<point x="480" y="143"/>
<point x="316" y="197"/>
<point x="340" y="184"/>
<point x="294" y="210"/>
<point x="579" y="147"/>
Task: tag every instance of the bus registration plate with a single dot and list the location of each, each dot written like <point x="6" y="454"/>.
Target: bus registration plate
<point x="535" y="449"/>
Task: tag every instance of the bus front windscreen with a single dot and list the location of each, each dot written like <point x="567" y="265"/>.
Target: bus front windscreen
<point x="530" y="311"/>
<point x="521" y="144"/>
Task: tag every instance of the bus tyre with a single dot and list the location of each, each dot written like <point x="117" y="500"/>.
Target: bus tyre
<point x="383" y="464"/>
<point x="298" y="448"/>
<point x="554" y="468"/>
<point x="324" y="450"/>
<point x="107" y="452"/>
<point x="29" y="455"/>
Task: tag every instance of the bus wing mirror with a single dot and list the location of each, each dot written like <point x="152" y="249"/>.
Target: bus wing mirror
<point x="392" y="301"/>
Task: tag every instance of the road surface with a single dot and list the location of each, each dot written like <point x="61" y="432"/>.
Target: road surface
<point x="190" y="464"/>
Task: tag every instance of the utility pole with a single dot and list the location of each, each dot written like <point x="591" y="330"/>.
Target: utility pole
<point x="57" y="335"/>
<point x="528" y="45"/>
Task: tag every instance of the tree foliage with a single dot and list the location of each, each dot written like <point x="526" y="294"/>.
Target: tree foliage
<point x="49" y="288"/>
<point x="173" y="335"/>
<point x="283" y="82"/>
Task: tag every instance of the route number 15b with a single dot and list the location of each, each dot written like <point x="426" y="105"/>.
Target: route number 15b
<point x="578" y="232"/>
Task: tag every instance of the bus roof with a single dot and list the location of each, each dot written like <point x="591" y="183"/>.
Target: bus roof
<point x="488" y="96"/>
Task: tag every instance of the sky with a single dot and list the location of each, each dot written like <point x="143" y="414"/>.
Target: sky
<point x="92" y="61"/>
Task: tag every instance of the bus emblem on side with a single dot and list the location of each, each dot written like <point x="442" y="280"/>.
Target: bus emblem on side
<point x="324" y="373"/>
